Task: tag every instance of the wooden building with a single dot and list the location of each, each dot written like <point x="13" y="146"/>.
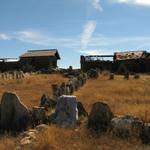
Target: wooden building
<point x="9" y="64"/>
<point x="129" y="61"/>
<point x="96" y="62"/>
<point x="132" y="61"/>
<point x="40" y="59"/>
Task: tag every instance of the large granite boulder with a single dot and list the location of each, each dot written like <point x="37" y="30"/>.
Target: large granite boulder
<point x="126" y="126"/>
<point x="66" y="114"/>
<point x="100" y="117"/>
<point x="14" y="114"/>
<point x="38" y="115"/>
<point x="56" y="92"/>
<point x="92" y="73"/>
<point x="46" y="102"/>
<point x="81" y="110"/>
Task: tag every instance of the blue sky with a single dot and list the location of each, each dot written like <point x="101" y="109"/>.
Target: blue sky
<point x="75" y="27"/>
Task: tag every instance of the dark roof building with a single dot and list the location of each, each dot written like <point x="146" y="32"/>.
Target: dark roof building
<point x="41" y="53"/>
<point x="40" y="59"/>
<point x="128" y="61"/>
<point x="128" y="55"/>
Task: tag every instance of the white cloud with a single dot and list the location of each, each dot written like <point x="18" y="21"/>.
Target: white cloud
<point x="108" y="41"/>
<point x="40" y="38"/>
<point x="91" y="52"/>
<point x="136" y="2"/>
<point x="91" y="45"/>
<point x="4" y="36"/>
<point x="88" y="31"/>
<point x="31" y="37"/>
<point x="95" y="52"/>
<point x="97" y="5"/>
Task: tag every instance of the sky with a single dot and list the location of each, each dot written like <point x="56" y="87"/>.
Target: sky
<point x="74" y="27"/>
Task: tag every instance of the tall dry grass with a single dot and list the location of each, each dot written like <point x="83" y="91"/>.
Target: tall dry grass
<point x="80" y="139"/>
<point x="31" y="88"/>
<point x="123" y="96"/>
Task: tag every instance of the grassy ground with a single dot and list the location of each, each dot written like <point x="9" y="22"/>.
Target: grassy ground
<point x="31" y="88"/>
<point x="123" y="96"/>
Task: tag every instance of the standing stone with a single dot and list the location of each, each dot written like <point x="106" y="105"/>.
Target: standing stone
<point x="38" y="115"/>
<point x="66" y="114"/>
<point x="68" y="89"/>
<point x="55" y="91"/>
<point x="63" y="88"/>
<point x="93" y="73"/>
<point x="6" y="75"/>
<point x="126" y="126"/>
<point x="111" y="76"/>
<point x="17" y="75"/>
<point x="3" y="76"/>
<point x="100" y="117"/>
<point x="74" y="82"/>
<point x="81" y="110"/>
<point x="71" y="87"/>
<point x="14" y="114"/>
<point x="13" y="75"/>
<point x="126" y="76"/>
<point x="45" y="102"/>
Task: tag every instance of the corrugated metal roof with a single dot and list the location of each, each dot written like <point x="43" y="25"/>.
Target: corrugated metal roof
<point x="9" y="59"/>
<point x="129" y="55"/>
<point x="39" y="53"/>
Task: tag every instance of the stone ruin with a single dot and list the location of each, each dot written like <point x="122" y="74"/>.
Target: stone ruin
<point x="119" y="62"/>
<point x="66" y="113"/>
<point x="68" y="88"/>
<point x="14" y="75"/>
<point x="99" y="117"/>
<point x="15" y="116"/>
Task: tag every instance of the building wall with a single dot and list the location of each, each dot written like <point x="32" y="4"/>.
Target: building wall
<point x="39" y="62"/>
<point x="132" y="66"/>
<point x="9" y="66"/>
<point x="99" y="64"/>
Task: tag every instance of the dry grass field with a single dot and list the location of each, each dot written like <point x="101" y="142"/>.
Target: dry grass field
<point x="123" y="96"/>
<point x="31" y="88"/>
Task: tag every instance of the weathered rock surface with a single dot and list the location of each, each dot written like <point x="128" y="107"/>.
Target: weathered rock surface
<point x="66" y="113"/>
<point x="126" y="126"/>
<point x="100" y="117"/>
<point x="38" y="115"/>
<point x="93" y="73"/>
<point x="14" y="114"/>
<point x="46" y="102"/>
<point x="81" y="110"/>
